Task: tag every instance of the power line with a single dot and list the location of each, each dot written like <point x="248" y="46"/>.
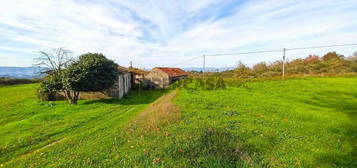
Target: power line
<point x="264" y="51"/>
<point x="251" y="52"/>
<point x="188" y="60"/>
<point x="280" y="50"/>
<point x="326" y="46"/>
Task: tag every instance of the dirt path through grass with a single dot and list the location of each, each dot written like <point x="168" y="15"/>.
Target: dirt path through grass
<point x="163" y="111"/>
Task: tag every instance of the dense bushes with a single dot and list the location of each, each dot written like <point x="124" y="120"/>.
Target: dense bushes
<point x="12" y="81"/>
<point x="330" y="63"/>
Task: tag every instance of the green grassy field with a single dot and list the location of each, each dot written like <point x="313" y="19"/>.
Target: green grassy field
<point x="35" y="133"/>
<point x="304" y="122"/>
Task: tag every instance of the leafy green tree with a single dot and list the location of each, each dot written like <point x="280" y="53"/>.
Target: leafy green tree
<point x="90" y="73"/>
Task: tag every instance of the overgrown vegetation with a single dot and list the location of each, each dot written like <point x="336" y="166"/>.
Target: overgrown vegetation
<point x="330" y="63"/>
<point x="301" y="122"/>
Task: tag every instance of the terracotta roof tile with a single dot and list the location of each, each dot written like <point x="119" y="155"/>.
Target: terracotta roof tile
<point x="173" y="72"/>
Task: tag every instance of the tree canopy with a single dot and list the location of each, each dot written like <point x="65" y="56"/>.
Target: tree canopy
<point x="91" y="72"/>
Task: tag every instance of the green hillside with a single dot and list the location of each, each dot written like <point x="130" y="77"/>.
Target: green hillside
<point x="303" y="122"/>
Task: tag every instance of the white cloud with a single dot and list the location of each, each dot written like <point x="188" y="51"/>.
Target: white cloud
<point x="161" y="33"/>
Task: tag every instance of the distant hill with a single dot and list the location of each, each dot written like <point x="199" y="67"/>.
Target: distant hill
<point x="208" y="69"/>
<point x="20" y="72"/>
<point x="33" y="72"/>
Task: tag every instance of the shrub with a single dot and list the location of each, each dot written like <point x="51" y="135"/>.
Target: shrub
<point x="12" y="81"/>
<point x="45" y="95"/>
<point x="48" y="88"/>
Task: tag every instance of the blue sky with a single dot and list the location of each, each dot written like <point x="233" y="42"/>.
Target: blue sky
<point x="163" y="32"/>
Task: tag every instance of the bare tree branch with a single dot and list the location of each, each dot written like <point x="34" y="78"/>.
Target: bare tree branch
<point x="54" y="60"/>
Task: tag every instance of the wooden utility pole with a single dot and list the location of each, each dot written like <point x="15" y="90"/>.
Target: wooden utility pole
<point x="204" y="66"/>
<point x="284" y="50"/>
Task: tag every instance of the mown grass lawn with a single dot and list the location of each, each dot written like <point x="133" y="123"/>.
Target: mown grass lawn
<point x="36" y="134"/>
<point x="306" y="122"/>
<point x="303" y="122"/>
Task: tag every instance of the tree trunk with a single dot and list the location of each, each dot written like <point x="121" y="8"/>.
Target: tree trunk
<point x="71" y="96"/>
<point x="68" y="96"/>
<point x="75" y="97"/>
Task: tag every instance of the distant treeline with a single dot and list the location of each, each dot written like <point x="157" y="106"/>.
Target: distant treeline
<point x="13" y="81"/>
<point x="330" y="63"/>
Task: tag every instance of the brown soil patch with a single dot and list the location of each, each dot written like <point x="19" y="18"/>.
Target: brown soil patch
<point x="85" y="96"/>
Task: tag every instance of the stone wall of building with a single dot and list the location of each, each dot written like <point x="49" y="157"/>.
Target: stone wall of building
<point x="156" y="79"/>
<point x="121" y="87"/>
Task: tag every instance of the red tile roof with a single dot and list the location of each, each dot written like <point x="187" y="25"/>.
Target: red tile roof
<point x="173" y="72"/>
